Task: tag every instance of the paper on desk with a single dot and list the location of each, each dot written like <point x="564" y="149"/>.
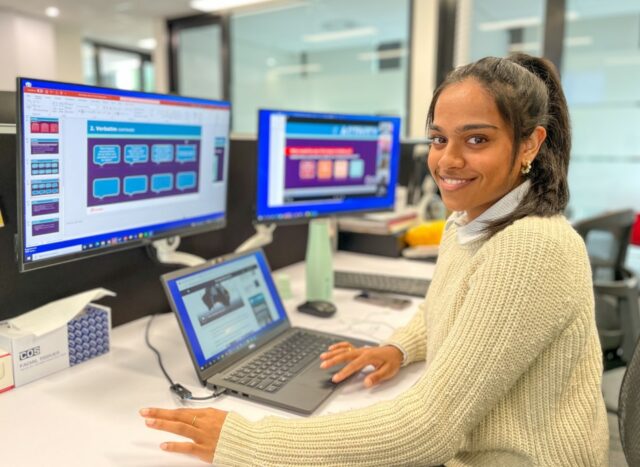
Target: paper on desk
<point x="55" y="314"/>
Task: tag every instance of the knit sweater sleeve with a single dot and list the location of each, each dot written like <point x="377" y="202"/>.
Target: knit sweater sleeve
<point x="515" y="306"/>
<point x="412" y="338"/>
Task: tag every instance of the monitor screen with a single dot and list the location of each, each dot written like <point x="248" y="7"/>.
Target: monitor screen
<point x="226" y="306"/>
<point x="102" y="169"/>
<point x="316" y="164"/>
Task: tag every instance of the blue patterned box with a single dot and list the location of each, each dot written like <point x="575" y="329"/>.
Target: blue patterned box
<point x="86" y="336"/>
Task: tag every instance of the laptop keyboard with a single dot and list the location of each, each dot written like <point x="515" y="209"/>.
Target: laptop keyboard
<point x="274" y="368"/>
<point x="381" y="283"/>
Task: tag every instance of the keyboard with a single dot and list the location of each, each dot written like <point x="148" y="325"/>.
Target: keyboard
<point x="381" y="283"/>
<point x="274" y="368"/>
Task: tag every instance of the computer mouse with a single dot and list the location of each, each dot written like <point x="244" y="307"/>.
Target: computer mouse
<point x="319" y="308"/>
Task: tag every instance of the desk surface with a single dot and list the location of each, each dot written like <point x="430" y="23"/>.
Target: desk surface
<point x="88" y="415"/>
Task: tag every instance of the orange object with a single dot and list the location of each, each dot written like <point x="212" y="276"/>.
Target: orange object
<point x="426" y="233"/>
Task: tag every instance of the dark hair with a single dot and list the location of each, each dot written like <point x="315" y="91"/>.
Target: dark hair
<point x="528" y="93"/>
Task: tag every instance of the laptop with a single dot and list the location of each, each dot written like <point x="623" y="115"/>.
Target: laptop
<point x="240" y="338"/>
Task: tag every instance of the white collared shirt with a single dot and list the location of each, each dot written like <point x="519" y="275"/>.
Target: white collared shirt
<point x="469" y="231"/>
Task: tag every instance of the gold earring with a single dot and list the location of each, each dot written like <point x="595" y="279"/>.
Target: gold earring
<point x="526" y="168"/>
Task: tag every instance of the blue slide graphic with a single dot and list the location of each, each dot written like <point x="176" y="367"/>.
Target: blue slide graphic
<point x="136" y="184"/>
<point x="136" y="154"/>
<point x="162" y="153"/>
<point x="105" y="187"/>
<point x="186" y="153"/>
<point x="106" y="154"/>
<point x="185" y="180"/>
<point x="161" y="182"/>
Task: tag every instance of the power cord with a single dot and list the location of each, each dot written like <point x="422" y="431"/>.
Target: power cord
<point x="177" y="388"/>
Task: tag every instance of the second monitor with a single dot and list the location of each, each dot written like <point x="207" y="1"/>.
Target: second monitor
<point x="320" y="164"/>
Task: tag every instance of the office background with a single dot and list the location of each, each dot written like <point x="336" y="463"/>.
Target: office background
<point x="353" y="56"/>
<point x="360" y="56"/>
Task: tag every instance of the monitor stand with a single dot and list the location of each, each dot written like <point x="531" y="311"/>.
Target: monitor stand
<point x="319" y="267"/>
<point x="165" y="252"/>
<point x="262" y="237"/>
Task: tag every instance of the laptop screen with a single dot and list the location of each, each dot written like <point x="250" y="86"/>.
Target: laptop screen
<point x="226" y="307"/>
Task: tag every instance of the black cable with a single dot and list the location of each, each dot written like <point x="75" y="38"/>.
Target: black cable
<point x="177" y="388"/>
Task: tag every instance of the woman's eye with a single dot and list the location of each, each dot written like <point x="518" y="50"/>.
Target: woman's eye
<point x="438" y="140"/>
<point x="477" y="140"/>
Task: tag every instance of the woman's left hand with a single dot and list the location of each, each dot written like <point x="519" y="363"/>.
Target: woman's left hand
<point x="203" y="426"/>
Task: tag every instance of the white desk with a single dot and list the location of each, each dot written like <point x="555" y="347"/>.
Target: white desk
<point x="88" y="415"/>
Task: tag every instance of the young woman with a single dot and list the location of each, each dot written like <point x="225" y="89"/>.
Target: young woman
<point x="507" y="329"/>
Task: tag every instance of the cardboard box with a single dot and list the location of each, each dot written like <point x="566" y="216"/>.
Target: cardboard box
<point x="6" y="371"/>
<point x="85" y="336"/>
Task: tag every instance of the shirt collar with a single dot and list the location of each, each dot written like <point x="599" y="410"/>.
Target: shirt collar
<point x="469" y="231"/>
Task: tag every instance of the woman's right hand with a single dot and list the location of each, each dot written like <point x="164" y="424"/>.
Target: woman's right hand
<point x="386" y="360"/>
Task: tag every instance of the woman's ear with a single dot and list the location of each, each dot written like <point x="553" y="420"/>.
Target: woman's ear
<point x="531" y="145"/>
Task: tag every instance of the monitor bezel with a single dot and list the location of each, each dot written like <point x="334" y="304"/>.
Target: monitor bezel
<point x="337" y="115"/>
<point x="185" y="231"/>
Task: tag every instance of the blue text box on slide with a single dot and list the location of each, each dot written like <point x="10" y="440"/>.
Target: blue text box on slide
<point x="185" y="180"/>
<point x="186" y="153"/>
<point x="106" y="187"/>
<point x="161" y="182"/>
<point x="104" y="154"/>
<point x="136" y="154"/>
<point x="162" y="153"/>
<point x="136" y="185"/>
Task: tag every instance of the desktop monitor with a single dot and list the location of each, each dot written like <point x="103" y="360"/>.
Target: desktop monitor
<point x="320" y="164"/>
<point x="101" y="169"/>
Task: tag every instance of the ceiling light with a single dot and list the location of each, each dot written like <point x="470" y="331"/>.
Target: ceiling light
<point x="52" y="12"/>
<point x="514" y="23"/>
<point x="577" y="41"/>
<point x="149" y="43"/>
<point x="215" y="5"/>
<point x="296" y="69"/>
<point x="382" y="54"/>
<point x="339" y="35"/>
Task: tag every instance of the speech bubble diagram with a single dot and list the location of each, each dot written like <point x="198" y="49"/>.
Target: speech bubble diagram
<point x="136" y="154"/>
<point x="162" y="153"/>
<point x="185" y="180"/>
<point x="104" y="154"/>
<point x="106" y="187"/>
<point x="185" y="153"/>
<point x="136" y="184"/>
<point x="161" y="182"/>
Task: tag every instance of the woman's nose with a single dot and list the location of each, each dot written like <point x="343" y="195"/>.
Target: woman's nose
<point x="451" y="157"/>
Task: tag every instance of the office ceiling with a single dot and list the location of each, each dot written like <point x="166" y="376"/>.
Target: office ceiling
<point x="126" y="22"/>
<point x="122" y="22"/>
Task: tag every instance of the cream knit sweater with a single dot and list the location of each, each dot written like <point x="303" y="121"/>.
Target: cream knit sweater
<point x="512" y="377"/>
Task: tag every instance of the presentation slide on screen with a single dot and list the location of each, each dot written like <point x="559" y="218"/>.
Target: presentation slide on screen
<point x="325" y="160"/>
<point x="98" y="164"/>
<point x="227" y="304"/>
<point x="134" y="161"/>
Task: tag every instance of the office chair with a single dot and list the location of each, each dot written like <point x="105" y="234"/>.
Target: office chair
<point x="629" y="410"/>
<point x="618" y="314"/>
<point x="616" y="289"/>
<point x="607" y="239"/>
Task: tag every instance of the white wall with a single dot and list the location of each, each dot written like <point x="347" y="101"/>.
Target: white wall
<point x="28" y="49"/>
<point x="68" y="44"/>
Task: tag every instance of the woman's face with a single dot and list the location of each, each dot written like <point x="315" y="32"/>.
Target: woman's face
<point x="471" y="151"/>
